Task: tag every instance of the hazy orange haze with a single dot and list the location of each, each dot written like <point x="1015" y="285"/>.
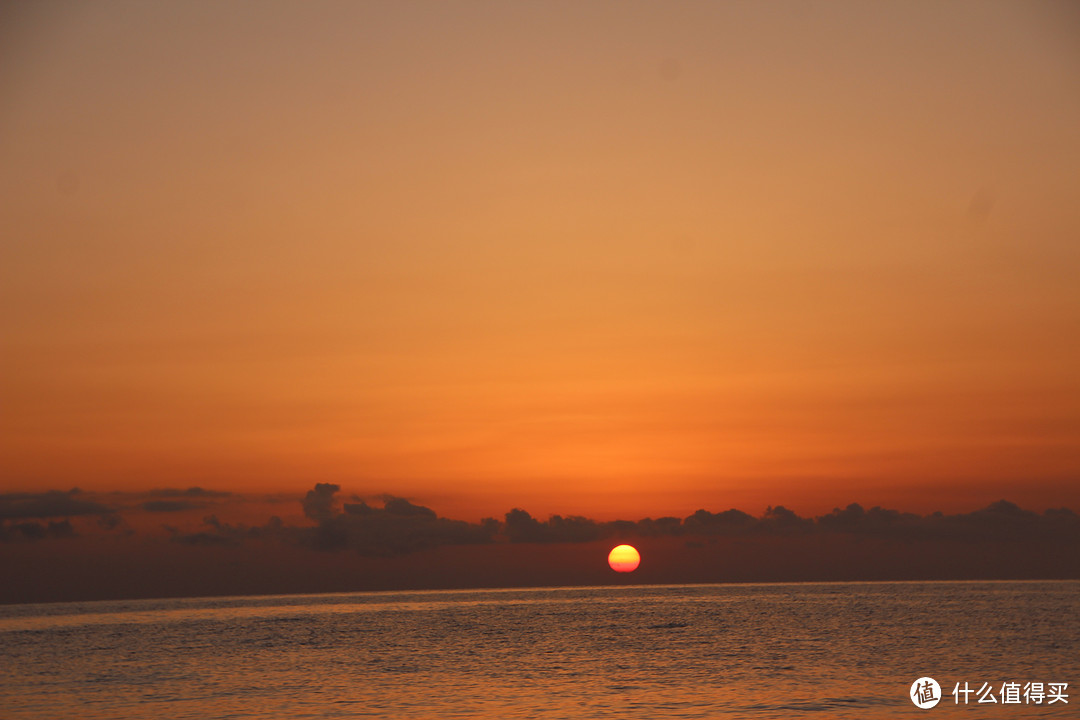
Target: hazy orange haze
<point x="605" y="258"/>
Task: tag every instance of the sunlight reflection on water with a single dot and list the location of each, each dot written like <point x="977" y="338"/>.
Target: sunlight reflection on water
<point x="739" y="651"/>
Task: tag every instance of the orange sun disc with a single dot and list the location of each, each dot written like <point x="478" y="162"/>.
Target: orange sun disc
<point x="624" y="558"/>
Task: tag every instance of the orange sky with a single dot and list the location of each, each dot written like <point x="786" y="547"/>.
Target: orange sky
<point x="599" y="258"/>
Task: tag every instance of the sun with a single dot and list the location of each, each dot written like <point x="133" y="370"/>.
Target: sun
<point x="624" y="558"/>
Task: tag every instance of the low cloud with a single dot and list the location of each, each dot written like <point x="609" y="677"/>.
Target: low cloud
<point x="54" y="503"/>
<point x="169" y="505"/>
<point x="212" y="532"/>
<point x="520" y="526"/>
<point x="398" y="527"/>
<point x="204" y="538"/>
<point x="10" y="532"/>
<point x="196" y="492"/>
<point x="342" y="546"/>
<point x="401" y="526"/>
<point x="320" y="503"/>
<point x="1001" y="520"/>
<point x="388" y="525"/>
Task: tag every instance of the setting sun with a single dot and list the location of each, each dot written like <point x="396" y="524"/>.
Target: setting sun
<point x="624" y="558"/>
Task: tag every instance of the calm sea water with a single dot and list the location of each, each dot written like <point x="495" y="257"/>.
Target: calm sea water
<point x="736" y="651"/>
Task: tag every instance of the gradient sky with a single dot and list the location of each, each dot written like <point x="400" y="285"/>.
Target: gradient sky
<point x="601" y="258"/>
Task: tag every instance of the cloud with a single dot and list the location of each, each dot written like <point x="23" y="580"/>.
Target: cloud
<point x="110" y="522"/>
<point x="647" y="527"/>
<point x="1004" y="520"/>
<point x="391" y="525"/>
<point x="347" y="547"/>
<point x="401" y="526"/>
<point x="780" y="520"/>
<point x="204" y="538"/>
<point x="520" y="526"/>
<point x="36" y="530"/>
<point x="190" y="492"/>
<point x="875" y="521"/>
<point x="54" y="503"/>
<point x="319" y="503"/>
<point x="397" y="528"/>
<point x="728" y="522"/>
<point x="169" y="505"/>
<point x="404" y="508"/>
<point x="1001" y="520"/>
<point x="216" y="533"/>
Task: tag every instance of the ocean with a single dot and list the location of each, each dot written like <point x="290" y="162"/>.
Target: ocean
<point x="830" y="650"/>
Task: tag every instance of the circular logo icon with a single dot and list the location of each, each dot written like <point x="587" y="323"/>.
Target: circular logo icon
<point x="925" y="692"/>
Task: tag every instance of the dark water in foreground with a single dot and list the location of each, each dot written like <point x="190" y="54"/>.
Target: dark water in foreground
<point x="741" y="651"/>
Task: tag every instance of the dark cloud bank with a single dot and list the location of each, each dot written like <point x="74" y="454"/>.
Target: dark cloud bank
<point x="391" y="542"/>
<point x="54" y="503"/>
<point x="401" y="526"/>
<point x="36" y="516"/>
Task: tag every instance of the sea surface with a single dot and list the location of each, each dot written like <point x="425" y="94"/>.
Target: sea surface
<point x="698" y="651"/>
